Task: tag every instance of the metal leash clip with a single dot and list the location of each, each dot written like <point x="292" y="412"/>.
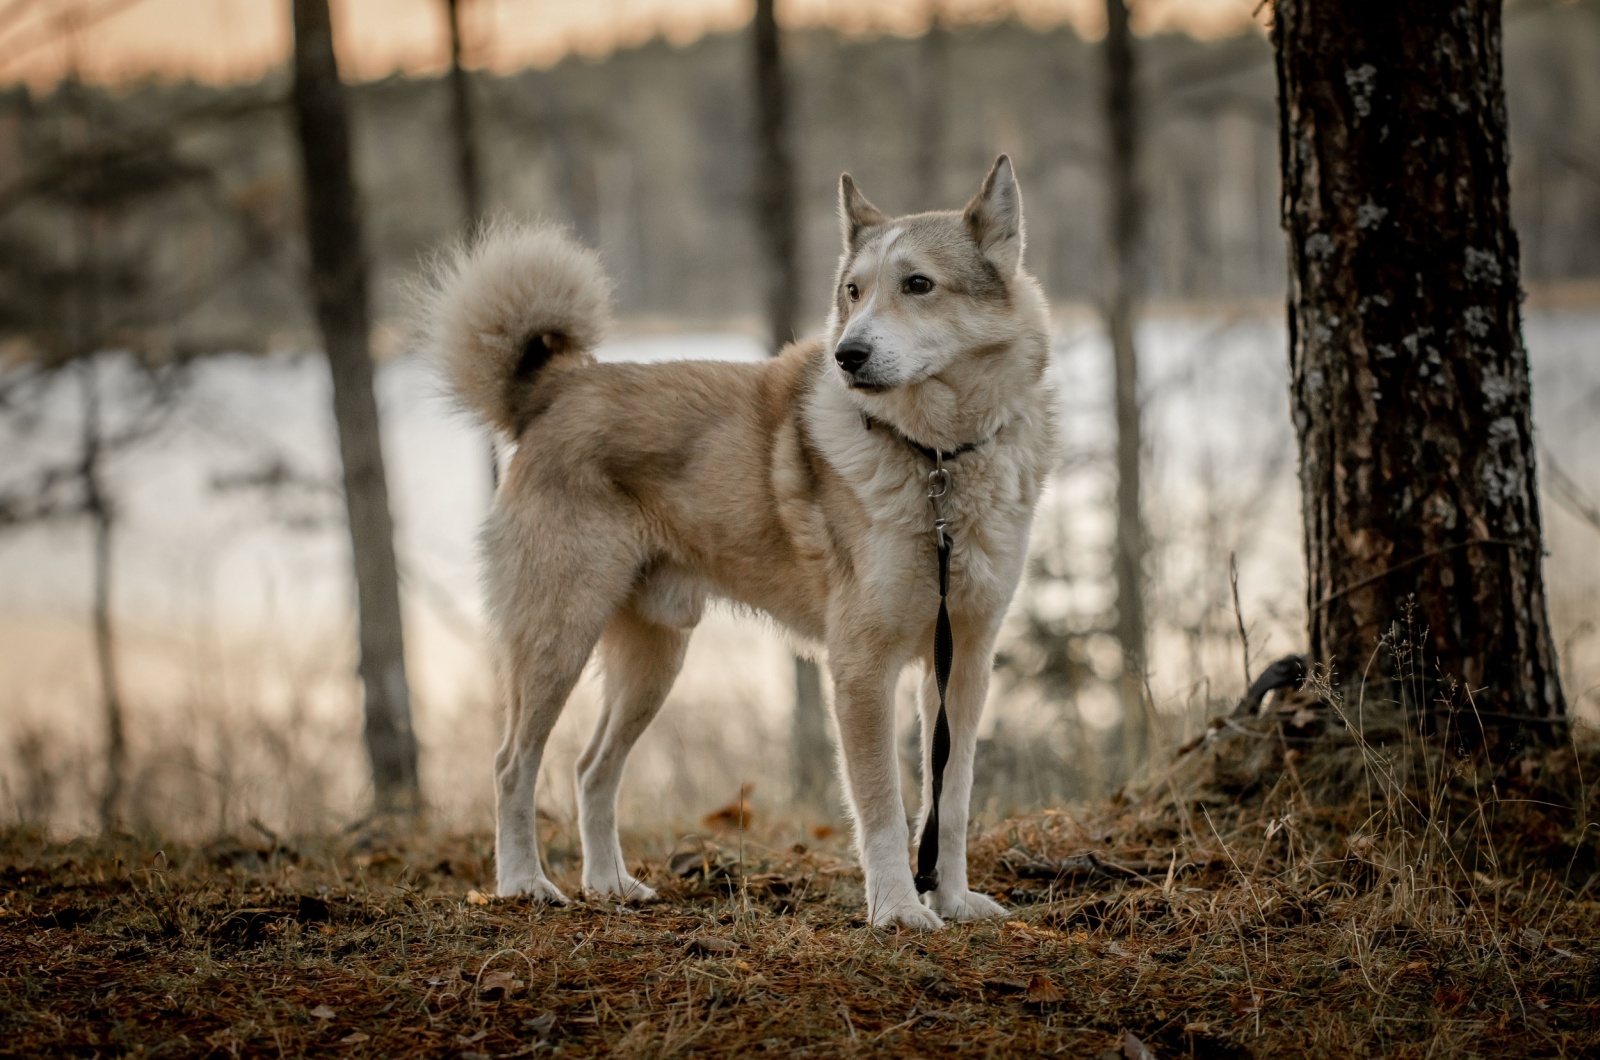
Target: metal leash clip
<point x="938" y="488"/>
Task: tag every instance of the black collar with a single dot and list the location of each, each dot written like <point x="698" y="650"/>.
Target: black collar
<point x="934" y="455"/>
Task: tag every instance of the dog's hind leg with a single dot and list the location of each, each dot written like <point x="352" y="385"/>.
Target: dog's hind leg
<point x="640" y="660"/>
<point x="969" y="687"/>
<point x="563" y="600"/>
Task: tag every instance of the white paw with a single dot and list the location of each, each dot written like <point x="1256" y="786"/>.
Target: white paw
<point x="536" y="887"/>
<point x="909" y="913"/>
<point x="618" y="885"/>
<point x="967" y="905"/>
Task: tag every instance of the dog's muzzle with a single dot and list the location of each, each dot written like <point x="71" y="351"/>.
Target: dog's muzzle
<point x="852" y="356"/>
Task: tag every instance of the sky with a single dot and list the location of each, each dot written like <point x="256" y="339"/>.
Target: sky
<point x="220" y="41"/>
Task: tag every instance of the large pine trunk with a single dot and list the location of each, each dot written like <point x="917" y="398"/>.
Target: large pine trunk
<point x="1409" y="383"/>
<point x="339" y="287"/>
<point x="776" y="226"/>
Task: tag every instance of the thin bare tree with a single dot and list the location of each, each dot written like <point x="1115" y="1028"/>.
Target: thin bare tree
<point x="469" y="177"/>
<point x="339" y="291"/>
<point x="97" y="505"/>
<point x="776" y="227"/>
<point x="469" y="182"/>
<point x="1124" y="265"/>
<point x="933" y="73"/>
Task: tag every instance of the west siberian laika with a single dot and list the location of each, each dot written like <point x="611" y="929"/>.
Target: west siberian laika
<point x="799" y="487"/>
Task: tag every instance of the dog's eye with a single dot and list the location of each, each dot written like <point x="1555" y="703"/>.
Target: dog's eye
<point x="853" y="291"/>
<point x="918" y="284"/>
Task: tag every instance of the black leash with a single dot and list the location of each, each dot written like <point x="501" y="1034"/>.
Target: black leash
<point x="943" y="653"/>
<point x="927" y="877"/>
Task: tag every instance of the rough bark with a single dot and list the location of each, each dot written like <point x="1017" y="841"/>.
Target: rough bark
<point x="1123" y="260"/>
<point x="776" y="226"/>
<point x="1409" y="380"/>
<point x="339" y="288"/>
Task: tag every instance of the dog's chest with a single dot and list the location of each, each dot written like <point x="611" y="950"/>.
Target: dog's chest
<point x="987" y="510"/>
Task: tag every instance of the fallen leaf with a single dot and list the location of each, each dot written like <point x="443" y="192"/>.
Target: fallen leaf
<point x="323" y="1012"/>
<point x="1041" y="991"/>
<point x="496" y="985"/>
<point x="541" y="1024"/>
<point x="477" y="898"/>
<point x="355" y="1037"/>
<point x="478" y="1037"/>
<point x="699" y="858"/>
<point x="1134" y="1049"/>
<point x="737" y="814"/>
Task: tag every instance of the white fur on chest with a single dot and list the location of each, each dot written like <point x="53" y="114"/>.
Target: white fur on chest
<point x="988" y="510"/>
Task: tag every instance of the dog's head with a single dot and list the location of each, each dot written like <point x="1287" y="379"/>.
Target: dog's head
<point x="934" y="296"/>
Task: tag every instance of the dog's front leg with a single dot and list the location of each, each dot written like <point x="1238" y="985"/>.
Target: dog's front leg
<point x="863" y="683"/>
<point x="968" y="688"/>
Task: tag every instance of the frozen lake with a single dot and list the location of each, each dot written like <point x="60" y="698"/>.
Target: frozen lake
<point x="233" y="603"/>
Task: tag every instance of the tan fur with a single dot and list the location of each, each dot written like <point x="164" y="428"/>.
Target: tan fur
<point x="637" y="491"/>
<point x="513" y="284"/>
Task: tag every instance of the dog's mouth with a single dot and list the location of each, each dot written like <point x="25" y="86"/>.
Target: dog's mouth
<point x="867" y="386"/>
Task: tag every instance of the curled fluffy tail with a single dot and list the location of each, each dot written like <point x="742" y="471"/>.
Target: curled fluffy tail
<point x="505" y="305"/>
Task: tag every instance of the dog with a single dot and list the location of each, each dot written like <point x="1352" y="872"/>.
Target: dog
<point x="799" y="487"/>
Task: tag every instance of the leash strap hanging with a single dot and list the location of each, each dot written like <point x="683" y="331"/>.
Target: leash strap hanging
<point x="927" y="877"/>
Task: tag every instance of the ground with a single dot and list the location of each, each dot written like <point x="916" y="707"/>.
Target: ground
<point x="1451" y="916"/>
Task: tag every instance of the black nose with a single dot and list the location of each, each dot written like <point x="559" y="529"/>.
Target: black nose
<point x="852" y="355"/>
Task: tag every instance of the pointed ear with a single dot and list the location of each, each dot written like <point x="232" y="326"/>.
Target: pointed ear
<point x="855" y="212"/>
<point x="994" y="217"/>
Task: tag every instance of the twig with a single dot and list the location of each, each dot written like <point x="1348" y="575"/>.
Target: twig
<point x="1238" y="613"/>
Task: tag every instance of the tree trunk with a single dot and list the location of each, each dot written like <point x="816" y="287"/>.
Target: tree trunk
<point x="101" y="517"/>
<point x="775" y="205"/>
<point x="934" y="70"/>
<point x="1409" y="381"/>
<point x="1124" y="265"/>
<point x="339" y="286"/>
<point x="811" y="754"/>
<point x="468" y="182"/>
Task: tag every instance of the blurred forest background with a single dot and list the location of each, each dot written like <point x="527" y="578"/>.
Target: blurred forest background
<point x="169" y="458"/>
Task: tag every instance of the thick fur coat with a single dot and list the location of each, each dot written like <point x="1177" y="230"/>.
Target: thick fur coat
<point x="796" y="487"/>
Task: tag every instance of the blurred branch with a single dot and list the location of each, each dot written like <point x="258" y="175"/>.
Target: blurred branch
<point x="67" y="23"/>
<point x="1584" y="167"/>
<point x="1223" y="62"/>
<point x="133" y="145"/>
<point x="1568" y="493"/>
<point x="39" y="498"/>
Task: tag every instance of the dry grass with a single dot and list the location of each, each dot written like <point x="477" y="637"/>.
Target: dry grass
<point x="1438" y="908"/>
